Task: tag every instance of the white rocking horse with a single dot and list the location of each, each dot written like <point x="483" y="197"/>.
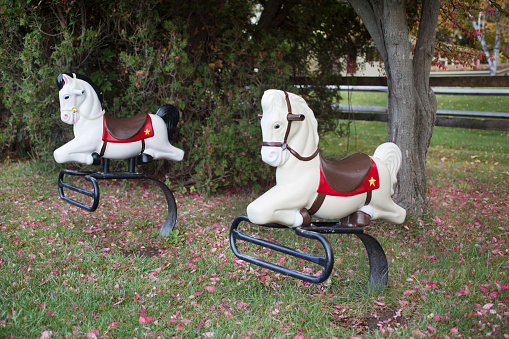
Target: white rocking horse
<point x="97" y="135"/>
<point x="357" y="189"/>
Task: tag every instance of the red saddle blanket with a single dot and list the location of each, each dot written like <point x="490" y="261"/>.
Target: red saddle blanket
<point x="120" y="131"/>
<point x="371" y="182"/>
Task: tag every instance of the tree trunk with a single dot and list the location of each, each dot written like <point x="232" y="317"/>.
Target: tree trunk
<point x="411" y="103"/>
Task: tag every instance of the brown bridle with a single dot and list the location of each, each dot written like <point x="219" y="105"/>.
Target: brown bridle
<point x="284" y="145"/>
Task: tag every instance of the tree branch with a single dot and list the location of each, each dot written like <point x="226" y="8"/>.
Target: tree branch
<point x="425" y="46"/>
<point x="370" y="14"/>
<point x="274" y="12"/>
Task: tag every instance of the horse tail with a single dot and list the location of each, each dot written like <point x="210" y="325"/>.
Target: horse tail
<point x="391" y="156"/>
<point x="170" y="115"/>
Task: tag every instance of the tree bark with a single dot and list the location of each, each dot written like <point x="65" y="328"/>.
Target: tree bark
<point x="411" y="103"/>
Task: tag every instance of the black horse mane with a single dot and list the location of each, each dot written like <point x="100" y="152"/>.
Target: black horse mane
<point x="61" y="83"/>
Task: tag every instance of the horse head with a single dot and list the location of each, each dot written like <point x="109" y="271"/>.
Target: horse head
<point x="79" y="97"/>
<point x="289" y="127"/>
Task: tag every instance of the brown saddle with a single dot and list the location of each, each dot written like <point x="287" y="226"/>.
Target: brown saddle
<point x="346" y="175"/>
<point x="125" y="128"/>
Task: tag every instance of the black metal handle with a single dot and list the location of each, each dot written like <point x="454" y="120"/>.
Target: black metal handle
<point x="326" y="262"/>
<point x="94" y="194"/>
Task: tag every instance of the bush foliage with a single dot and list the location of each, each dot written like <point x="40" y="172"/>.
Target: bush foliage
<point x="212" y="59"/>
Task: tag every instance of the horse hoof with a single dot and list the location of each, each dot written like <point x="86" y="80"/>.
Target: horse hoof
<point x="96" y="159"/>
<point x="144" y="158"/>
<point x="356" y="219"/>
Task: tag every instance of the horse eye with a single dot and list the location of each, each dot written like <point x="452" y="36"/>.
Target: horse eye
<point x="277" y="126"/>
<point x="66" y="97"/>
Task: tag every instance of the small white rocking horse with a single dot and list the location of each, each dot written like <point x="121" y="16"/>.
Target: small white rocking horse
<point x="97" y="135"/>
<point x="356" y="189"/>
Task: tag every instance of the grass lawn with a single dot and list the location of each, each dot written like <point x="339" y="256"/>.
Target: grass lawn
<point x="65" y="272"/>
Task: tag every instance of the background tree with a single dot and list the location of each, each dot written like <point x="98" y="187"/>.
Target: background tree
<point x="411" y="104"/>
<point x="479" y="24"/>
<point x="474" y="33"/>
<point x="456" y="38"/>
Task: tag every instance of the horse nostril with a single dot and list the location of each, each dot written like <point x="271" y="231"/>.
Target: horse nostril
<point x="66" y="116"/>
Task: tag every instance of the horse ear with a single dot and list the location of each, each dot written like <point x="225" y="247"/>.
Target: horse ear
<point x="62" y="80"/>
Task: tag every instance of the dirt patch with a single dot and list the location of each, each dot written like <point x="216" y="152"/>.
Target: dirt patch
<point x="378" y="317"/>
<point x="384" y="317"/>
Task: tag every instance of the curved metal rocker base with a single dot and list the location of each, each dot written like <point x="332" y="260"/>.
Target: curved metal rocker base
<point x="106" y="175"/>
<point x="378" y="267"/>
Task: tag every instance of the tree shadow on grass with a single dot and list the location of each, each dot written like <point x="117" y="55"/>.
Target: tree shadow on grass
<point x="148" y="252"/>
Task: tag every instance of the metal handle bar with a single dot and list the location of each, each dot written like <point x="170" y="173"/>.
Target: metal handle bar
<point x="326" y="262"/>
<point x="94" y="194"/>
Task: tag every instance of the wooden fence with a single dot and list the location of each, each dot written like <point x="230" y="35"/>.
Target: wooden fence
<point x="476" y="85"/>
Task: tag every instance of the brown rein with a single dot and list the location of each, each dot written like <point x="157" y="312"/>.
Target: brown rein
<point x="284" y="145"/>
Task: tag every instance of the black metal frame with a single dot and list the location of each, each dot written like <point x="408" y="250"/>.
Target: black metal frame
<point x="378" y="267"/>
<point x="131" y="174"/>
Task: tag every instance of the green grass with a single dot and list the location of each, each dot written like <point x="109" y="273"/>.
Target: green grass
<point x="71" y="273"/>
<point x="450" y="102"/>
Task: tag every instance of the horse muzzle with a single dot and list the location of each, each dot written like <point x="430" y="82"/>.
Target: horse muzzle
<point x="274" y="156"/>
<point x="69" y="117"/>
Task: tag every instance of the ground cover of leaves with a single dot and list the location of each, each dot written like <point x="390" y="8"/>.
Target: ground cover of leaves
<point x="65" y="272"/>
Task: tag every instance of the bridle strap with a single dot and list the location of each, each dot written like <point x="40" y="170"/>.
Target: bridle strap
<point x="289" y="106"/>
<point x="284" y="145"/>
<point x="300" y="157"/>
<point x="272" y="143"/>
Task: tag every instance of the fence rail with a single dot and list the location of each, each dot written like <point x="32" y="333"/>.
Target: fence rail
<point x="436" y="90"/>
<point x="456" y="81"/>
<point x="440" y="85"/>
<point x="447" y="118"/>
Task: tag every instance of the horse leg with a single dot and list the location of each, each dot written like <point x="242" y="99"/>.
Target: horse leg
<point x="159" y="147"/>
<point x="76" y="150"/>
<point x="279" y="205"/>
<point x="168" y="152"/>
<point x="382" y="206"/>
<point x="389" y="211"/>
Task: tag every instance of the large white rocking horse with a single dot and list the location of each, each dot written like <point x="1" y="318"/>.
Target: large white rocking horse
<point x="359" y="186"/>
<point x="354" y="190"/>
<point x="99" y="137"/>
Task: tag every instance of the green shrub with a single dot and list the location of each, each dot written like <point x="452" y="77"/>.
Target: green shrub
<point x="206" y="57"/>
